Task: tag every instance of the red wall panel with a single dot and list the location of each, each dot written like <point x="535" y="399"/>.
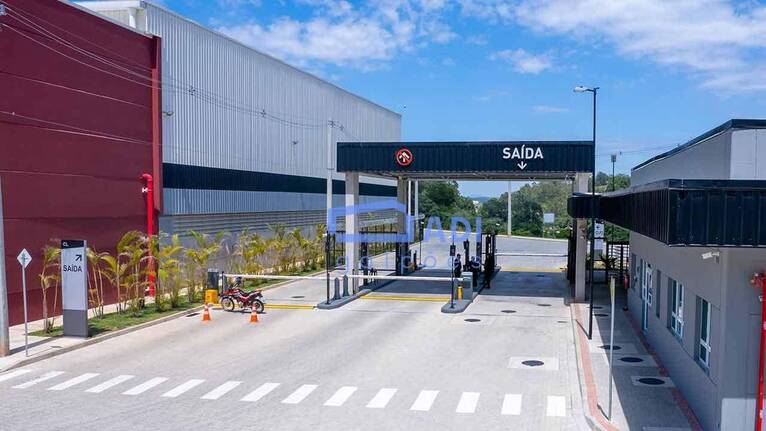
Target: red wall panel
<point x="79" y="124"/>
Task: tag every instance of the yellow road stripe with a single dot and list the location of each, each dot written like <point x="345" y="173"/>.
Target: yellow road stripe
<point x="291" y="306"/>
<point x="531" y="269"/>
<point x="406" y="298"/>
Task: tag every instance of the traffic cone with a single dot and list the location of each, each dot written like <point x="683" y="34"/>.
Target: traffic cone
<point x="253" y="315"/>
<point x="206" y="314"/>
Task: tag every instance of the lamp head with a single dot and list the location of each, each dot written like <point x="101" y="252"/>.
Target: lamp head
<point x="581" y="89"/>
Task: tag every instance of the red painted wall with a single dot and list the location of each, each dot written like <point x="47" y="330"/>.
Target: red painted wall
<point x="76" y="133"/>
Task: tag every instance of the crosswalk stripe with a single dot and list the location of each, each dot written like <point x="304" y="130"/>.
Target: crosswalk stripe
<point x="145" y="386"/>
<point x="467" y="403"/>
<point x="381" y="399"/>
<point x="341" y="396"/>
<point x="71" y="382"/>
<point x="220" y="391"/>
<point x="109" y="384"/>
<point x="12" y="374"/>
<point x="511" y="404"/>
<point x="556" y="406"/>
<point x="300" y="394"/>
<point x="261" y="392"/>
<point x="183" y="387"/>
<point x="424" y="401"/>
<point x="47" y="376"/>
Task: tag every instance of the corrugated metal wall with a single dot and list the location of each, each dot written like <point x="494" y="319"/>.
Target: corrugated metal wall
<point x="229" y="106"/>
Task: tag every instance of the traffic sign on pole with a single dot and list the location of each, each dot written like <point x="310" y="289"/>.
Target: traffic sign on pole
<point x="24" y="259"/>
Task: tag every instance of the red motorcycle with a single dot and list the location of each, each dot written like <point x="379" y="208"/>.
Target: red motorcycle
<point x="235" y="296"/>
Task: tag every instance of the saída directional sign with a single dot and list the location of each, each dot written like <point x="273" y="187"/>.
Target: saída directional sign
<point x="74" y="287"/>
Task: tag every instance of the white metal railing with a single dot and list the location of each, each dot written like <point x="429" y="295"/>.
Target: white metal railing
<point x="531" y="254"/>
<point x="276" y="277"/>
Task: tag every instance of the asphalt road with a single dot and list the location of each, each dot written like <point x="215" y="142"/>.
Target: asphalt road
<point x="375" y="364"/>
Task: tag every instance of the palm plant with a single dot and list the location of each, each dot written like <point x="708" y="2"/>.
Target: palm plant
<point x="168" y="268"/>
<point x="95" y="281"/>
<point x="198" y="258"/>
<point x="279" y="247"/>
<point x="50" y="277"/>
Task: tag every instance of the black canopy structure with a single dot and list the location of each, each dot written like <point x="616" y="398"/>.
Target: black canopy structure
<point x="496" y="160"/>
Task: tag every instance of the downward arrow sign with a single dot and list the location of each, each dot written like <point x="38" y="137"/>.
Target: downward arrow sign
<point x="522" y="165"/>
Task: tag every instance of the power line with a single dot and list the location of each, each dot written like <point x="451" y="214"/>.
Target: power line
<point x="75" y="128"/>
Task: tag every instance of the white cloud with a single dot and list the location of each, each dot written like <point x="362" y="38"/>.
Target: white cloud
<point x="364" y="36"/>
<point x="546" y="109"/>
<point x="478" y="40"/>
<point x="718" y="43"/>
<point x="523" y="61"/>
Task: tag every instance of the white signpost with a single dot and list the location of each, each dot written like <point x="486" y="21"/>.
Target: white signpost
<point x="74" y="287"/>
<point x="24" y="259"/>
<point x="598" y="234"/>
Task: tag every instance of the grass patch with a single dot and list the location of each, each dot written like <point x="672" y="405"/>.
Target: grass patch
<point x="116" y="321"/>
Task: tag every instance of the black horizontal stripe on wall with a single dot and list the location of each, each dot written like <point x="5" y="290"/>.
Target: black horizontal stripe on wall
<point x="175" y="176"/>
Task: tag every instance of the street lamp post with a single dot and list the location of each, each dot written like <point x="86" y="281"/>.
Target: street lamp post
<point x="594" y="91"/>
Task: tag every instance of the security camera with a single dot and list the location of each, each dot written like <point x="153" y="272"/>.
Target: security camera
<point x="711" y="254"/>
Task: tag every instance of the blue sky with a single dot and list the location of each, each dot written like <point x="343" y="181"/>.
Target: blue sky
<point x="505" y="69"/>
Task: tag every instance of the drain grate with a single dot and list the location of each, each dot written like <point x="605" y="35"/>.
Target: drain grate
<point x="472" y="320"/>
<point x="192" y="314"/>
<point x="508" y="311"/>
<point x="631" y="359"/>
<point x="540" y="275"/>
<point x="533" y="363"/>
<point x="652" y="381"/>
<point x="597" y="307"/>
<point x="297" y="296"/>
<point x="600" y="314"/>
<point x="543" y="305"/>
<point x="610" y="347"/>
<point x="562" y="321"/>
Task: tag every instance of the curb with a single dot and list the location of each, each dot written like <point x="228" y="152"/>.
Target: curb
<point x="99" y="338"/>
<point x="343" y="301"/>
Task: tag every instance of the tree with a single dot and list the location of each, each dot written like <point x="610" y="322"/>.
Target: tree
<point x="442" y="199"/>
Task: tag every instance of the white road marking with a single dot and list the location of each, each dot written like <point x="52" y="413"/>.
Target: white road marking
<point x="47" y="376"/>
<point x="340" y="396"/>
<point x="71" y="382"/>
<point x="109" y="384"/>
<point x="381" y="399"/>
<point x="424" y="401"/>
<point x="557" y="406"/>
<point x="261" y="392"/>
<point x="220" y="391"/>
<point x="299" y="394"/>
<point x="12" y="374"/>
<point x="467" y="403"/>
<point x="145" y="386"/>
<point x="511" y="404"/>
<point x="183" y="387"/>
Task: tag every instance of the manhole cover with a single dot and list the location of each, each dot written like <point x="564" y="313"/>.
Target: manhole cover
<point x="609" y="347"/>
<point x="192" y="314"/>
<point x="472" y="320"/>
<point x="600" y="314"/>
<point x="651" y="381"/>
<point x="533" y="363"/>
<point x="297" y="296"/>
<point x="508" y="311"/>
<point x="543" y="305"/>
<point x="631" y="359"/>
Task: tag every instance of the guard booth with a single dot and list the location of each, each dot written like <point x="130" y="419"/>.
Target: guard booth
<point x="477" y="160"/>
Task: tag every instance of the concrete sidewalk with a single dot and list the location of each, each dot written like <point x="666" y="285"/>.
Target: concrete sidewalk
<point x="644" y="397"/>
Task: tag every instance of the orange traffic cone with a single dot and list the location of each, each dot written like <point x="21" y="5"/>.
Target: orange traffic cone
<point x="206" y="314"/>
<point x="253" y="315"/>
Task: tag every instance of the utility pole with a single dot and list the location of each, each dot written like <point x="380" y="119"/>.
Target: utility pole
<point x="330" y="125"/>
<point x="614" y="159"/>
<point x="510" y="214"/>
<point x="5" y="344"/>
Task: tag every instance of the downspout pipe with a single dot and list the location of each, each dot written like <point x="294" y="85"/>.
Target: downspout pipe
<point x="148" y="190"/>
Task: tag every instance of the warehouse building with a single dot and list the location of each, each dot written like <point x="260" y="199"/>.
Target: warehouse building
<point x="246" y="136"/>
<point x="697" y="216"/>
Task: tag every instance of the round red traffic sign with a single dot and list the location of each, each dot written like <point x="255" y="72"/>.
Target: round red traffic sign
<point x="404" y="157"/>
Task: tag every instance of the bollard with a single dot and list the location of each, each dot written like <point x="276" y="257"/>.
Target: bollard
<point x="328" y="288"/>
<point x="337" y="289"/>
<point x="345" y="285"/>
<point x="460" y="291"/>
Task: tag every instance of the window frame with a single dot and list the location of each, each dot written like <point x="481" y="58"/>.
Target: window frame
<point x="706" y="314"/>
<point x="677" y="310"/>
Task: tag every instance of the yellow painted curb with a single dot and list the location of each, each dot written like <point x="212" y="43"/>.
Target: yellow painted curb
<point x="291" y="306"/>
<point x="405" y="298"/>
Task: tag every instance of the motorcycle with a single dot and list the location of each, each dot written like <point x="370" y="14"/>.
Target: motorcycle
<point x="236" y="296"/>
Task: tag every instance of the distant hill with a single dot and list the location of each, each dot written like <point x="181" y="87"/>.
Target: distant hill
<point x="482" y="199"/>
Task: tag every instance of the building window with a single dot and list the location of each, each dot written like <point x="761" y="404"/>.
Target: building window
<point x="634" y="269"/>
<point x="677" y="309"/>
<point x="703" y="352"/>
<point x="659" y="294"/>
